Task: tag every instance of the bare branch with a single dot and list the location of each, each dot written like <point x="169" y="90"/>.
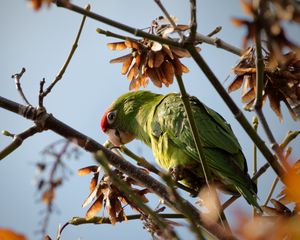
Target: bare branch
<point x="258" y="100"/>
<point x="137" y="32"/>
<point x="123" y="187"/>
<point x="219" y="43"/>
<point x="18" y="140"/>
<point x="66" y="64"/>
<point x="164" y="10"/>
<point x="193" y="21"/>
<point x="105" y="220"/>
<point x="17" y="77"/>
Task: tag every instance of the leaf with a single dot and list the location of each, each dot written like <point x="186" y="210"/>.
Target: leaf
<point x="95" y="208"/>
<point x="117" y="46"/>
<point x="281" y="208"/>
<point x="92" y="195"/>
<point x="292" y="182"/>
<point x="168" y="51"/>
<point x="168" y="69"/>
<point x="179" y="67"/>
<point x="248" y="96"/>
<point x="238" y="22"/>
<point x="111" y="209"/>
<point x="156" y="46"/>
<point x="247" y="7"/>
<point x="8" y="234"/>
<point x="48" y="196"/>
<point x="131" y="73"/>
<point x="122" y="216"/>
<point x="151" y="59"/>
<point x="37" y="4"/>
<point x="126" y="65"/>
<point x="236" y="84"/>
<point x="134" y="84"/>
<point x="158" y="59"/>
<point x="121" y="59"/>
<point x="180" y="52"/>
<point x="131" y="44"/>
<point x="275" y="105"/>
<point x="87" y="170"/>
<point x="161" y="76"/>
<point x="154" y="78"/>
<point x="94" y="182"/>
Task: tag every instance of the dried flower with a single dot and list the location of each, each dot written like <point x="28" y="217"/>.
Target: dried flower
<point x="37" y="4"/>
<point x="106" y="194"/>
<point x="281" y="82"/>
<point x="268" y="17"/>
<point x="291" y="191"/>
<point x="151" y="60"/>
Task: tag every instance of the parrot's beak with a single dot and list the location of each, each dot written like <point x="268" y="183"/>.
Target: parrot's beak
<point x="118" y="137"/>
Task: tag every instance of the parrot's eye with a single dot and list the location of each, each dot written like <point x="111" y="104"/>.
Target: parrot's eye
<point x="111" y="116"/>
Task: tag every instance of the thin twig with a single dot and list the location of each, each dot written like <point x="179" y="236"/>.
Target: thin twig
<point x="258" y="100"/>
<point x="255" y="126"/>
<point x="170" y="19"/>
<point x="105" y="220"/>
<point x="196" y="137"/>
<point x="100" y="157"/>
<point x="66" y="64"/>
<point x="42" y="83"/>
<point x="18" y="140"/>
<point x="219" y="43"/>
<point x="289" y="137"/>
<point x="121" y="26"/>
<point x="137" y="32"/>
<point x="115" y="35"/>
<point x="17" y="77"/>
<point x="215" y="31"/>
<point x="279" y="170"/>
<point x="199" y="146"/>
<point x="53" y="183"/>
<point x="193" y="21"/>
<point x="276" y="180"/>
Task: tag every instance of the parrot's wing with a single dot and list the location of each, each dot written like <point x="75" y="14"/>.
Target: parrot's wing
<point x="214" y="132"/>
<point x="221" y="148"/>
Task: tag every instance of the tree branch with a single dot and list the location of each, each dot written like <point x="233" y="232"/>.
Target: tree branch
<point x="17" y="77"/>
<point x="258" y="99"/>
<point x="137" y="32"/>
<point x="18" y="140"/>
<point x="123" y="187"/>
<point x="105" y="220"/>
<point x="60" y="74"/>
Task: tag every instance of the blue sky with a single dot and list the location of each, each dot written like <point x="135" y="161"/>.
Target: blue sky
<point x="40" y="42"/>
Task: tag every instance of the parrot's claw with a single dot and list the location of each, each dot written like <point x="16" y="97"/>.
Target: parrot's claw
<point x="177" y="173"/>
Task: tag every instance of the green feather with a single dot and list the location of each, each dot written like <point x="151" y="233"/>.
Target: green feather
<point x="160" y="122"/>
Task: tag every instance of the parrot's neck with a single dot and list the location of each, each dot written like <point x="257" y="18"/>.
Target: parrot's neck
<point x="144" y="118"/>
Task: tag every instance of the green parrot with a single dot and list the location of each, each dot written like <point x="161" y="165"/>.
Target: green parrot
<point x="160" y="121"/>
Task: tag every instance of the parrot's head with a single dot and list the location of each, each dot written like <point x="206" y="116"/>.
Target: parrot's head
<point x="118" y="120"/>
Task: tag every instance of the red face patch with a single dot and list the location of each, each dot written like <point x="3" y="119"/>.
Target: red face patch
<point x="103" y="123"/>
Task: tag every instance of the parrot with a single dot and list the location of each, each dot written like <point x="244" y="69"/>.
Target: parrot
<point x="160" y="121"/>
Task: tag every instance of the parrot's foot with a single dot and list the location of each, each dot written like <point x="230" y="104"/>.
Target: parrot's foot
<point x="178" y="173"/>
